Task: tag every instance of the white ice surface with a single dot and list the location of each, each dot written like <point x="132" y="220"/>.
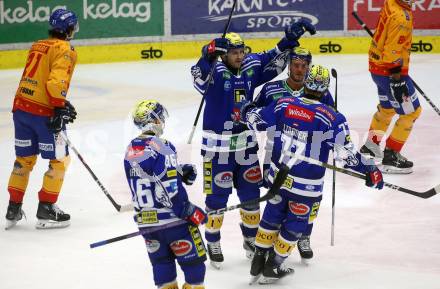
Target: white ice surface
<point x="384" y="239"/>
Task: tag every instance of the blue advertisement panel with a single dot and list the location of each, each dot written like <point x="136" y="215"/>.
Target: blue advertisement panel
<point x="210" y="16"/>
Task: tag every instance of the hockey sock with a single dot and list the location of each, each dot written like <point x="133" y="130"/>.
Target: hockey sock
<point x="402" y="129"/>
<point x="53" y="180"/>
<point x="250" y="219"/>
<point x="380" y="123"/>
<point x="19" y="179"/>
<point x="266" y="235"/>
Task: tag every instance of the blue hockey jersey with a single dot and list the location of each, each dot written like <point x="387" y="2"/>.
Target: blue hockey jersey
<point x="308" y="128"/>
<point x="226" y="94"/>
<point x="156" y="186"/>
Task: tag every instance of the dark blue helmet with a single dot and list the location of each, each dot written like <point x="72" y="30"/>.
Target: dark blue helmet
<point x="301" y="53"/>
<point x="63" y="21"/>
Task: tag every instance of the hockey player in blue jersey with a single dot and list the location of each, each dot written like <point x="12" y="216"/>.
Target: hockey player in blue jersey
<point x="293" y="86"/>
<point x="306" y="128"/>
<point x="229" y="149"/>
<point x="164" y="214"/>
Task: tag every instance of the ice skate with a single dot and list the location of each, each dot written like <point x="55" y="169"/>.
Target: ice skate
<point x="372" y="151"/>
<point x="273" y="272"/>
<point x="215" y="254"/>
<point x="50" y="216"/>
<point x="394" y="163"/>
<point x="13" y="215"/>
<point x="249" y="246"/>
<point x="304" y="249"/>
<point x="257" y="265"/>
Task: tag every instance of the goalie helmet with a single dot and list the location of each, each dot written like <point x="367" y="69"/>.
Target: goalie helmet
<point x="234" y="40"/>
<point x="318" y="79"/>
<point x="63" y="21"/>
<point x="301" y="53"/>
<point x="149" y="116"/>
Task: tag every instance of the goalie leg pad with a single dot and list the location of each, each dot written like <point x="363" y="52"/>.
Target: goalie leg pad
<point x="19" y="179"/>
<point x="53" y="180"/>
<point x="402" y="129"/>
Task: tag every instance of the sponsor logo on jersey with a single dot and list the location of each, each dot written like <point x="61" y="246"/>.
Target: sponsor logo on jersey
<point x="198" y="241"/>
<point x="250" y="72"/>
<point x="299" y="208"/>
<point x="326" y="112"/>
<point x="293" y="111"/>
<point x="48" y="147"/>
<point x="23" y="142"/>
<point x="207" y="177"/>
<point x="239" y="95"/>
<point x="181" y="247"/>
<point x="135" y="151"/>
<point x="147" y="217"/>
<point x="223" y="180"/>
<point x="171" y="173"/>
<point x="314" y="212"/>
<point x="238" y="142"/>
<point x="253" y="175"/>
<point x="227" y="85"/>
<point x="152" y="246"/>
<point x="27" y="91"/>
<point x="226" y="75"/>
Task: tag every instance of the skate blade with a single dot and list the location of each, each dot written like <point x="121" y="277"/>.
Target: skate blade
<point x="216" y="265"/>
<point x="267" y="280"/>
<point x="10" y="224"/>
<point x="394" y="170"/>
<point x="254" y="279"/>
<point x="305" y="261"/>
<point x="48" y="224"/>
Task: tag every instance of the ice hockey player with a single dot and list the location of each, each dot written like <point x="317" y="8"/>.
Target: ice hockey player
<point x="300" y="60"/>
<point x="40" y="113"/>
<point x="389" y="64"/>
<point x="306" y="128"/>
<point x="167" y="219"/>
<point x="229" y="149"/>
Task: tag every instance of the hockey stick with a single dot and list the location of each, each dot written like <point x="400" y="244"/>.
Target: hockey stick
<point x="118" y="207"/>
<point x="332" y="239"/>
<point x="277" y="183"/>
<point x="424" y="195"/>
<point x="137" y="233"/>
<point x="211" y="73"/>
<point x="279" y="180"/>
<point x="362" y="23"/>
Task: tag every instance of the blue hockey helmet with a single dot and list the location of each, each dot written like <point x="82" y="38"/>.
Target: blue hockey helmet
<point x="63" y="21"/>
<point x="301" y="53"/>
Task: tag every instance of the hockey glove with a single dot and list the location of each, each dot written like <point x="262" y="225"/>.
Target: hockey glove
<point x="293" y="33"/>
<point x="61" y="117"/>
<point x="189" y="173"/>
<point x="374" y="178"/>
<point x="215" y="48"/>
<point x="399" y="89"/>
<point x="193" y="214"/>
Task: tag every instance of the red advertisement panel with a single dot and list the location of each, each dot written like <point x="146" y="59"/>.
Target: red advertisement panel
<point x="426" y="13"/>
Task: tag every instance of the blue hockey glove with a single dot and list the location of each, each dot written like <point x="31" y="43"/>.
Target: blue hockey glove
<point x="61" y="117"/>
<point x="215" y="48"/>
<point x="399" y="88"/>
<point x="374" y="178"/>
<point x="193" y="214"/>
<point x="189" y="173"/>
